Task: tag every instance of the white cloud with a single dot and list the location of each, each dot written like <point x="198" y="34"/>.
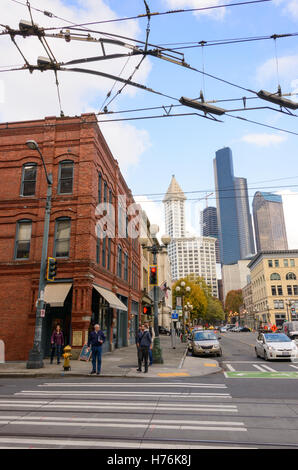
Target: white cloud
<point x="217" y="14"/>
<point x="287" y="70"/>
<point x="290" y="204"/>
<point x="127" y="143"/>
<point x="25" y="96"/>
<point x="290" y="7"/>
<point x="263" y="140"/>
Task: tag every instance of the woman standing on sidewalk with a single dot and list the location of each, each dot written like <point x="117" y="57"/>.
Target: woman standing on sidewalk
<point x="57" y="341"/>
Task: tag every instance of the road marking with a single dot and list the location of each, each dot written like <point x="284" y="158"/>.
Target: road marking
<point x="172" y="374"/>
<point x="259" y="368"/>
<point x="230" y="367"/>
<point x="125" y="425"/>
<point x="262" y="374"/>
<point x="114" y="444"/>
<point x="134" y="385"/>
<point x="269" y="368"/>
<point x="121" y="394"/>
<point x="210" y="364"/>
<point x="295" y="367"/>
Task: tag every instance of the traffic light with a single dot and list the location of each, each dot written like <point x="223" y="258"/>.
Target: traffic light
<point x="153" y="281"/>
<point x="51" y="269"/>
<point x="147" y="310"/>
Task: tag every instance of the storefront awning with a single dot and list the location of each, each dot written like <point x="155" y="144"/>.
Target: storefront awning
<point x="111" y="298"/>
<point x="55" y="294"/>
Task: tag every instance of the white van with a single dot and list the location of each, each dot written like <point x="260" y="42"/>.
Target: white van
<point x="290" y="328"/>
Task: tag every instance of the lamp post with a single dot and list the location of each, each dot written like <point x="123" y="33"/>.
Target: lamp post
<point x="35" y="360"/>
<point x="289" y="303"/>
<point x="255" y="311"/>
<point x="154" y="249"/>
<point x="184" y="291"/>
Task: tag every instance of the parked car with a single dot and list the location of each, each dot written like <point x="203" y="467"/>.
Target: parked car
<point x="235" y="329"/>
<point x="223" y="329"/>
<point x="290" y="328"/>
<point x="275" y="346"/>
<point x="244" y="329"/>
<point x="204" y="343"/>
<point x="164" y="331"/>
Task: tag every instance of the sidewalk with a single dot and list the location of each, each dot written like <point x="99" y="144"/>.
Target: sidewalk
<point x="123" y="363"/>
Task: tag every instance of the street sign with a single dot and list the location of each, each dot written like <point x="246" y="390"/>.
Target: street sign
<point x="42" y="313"/>
<point x="174" y="315"/>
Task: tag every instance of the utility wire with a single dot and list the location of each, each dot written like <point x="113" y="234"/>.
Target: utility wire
<point x="170" y="12"/>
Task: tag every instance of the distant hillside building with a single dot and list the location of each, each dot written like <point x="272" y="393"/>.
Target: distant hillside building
<point x="209" y="227"/>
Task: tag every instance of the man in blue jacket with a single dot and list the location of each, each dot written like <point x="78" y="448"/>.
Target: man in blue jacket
<point x="96" y="340"/>
<point x="144" y="343"/>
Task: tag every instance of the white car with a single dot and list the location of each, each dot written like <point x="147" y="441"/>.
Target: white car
<point x="275" y="346"/>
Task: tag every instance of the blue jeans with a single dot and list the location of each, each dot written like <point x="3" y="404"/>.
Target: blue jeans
<point x="96" y="357"/>
<point x="58" y="348"/>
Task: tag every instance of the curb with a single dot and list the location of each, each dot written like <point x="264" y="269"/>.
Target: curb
<point x="183" y="358"/>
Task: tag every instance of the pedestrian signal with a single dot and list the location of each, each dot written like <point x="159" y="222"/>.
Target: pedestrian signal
<point x="147" y="311"/>
<point x="153" y="281"/>
<point x="51" y="269"/>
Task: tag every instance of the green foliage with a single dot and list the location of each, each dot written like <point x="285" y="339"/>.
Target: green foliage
<point x="234" y="300"/>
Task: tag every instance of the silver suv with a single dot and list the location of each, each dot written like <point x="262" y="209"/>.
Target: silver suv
<point x="204" y="343"/>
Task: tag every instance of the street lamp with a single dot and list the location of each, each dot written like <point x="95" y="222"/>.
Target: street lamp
<point x="35" y="360"/>
<point x="154" y="249"/>
<point x="188" y="308"/>
<point x="184" y="291"/>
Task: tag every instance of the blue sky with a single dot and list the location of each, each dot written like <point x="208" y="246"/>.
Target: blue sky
<point x="153" y="150"/>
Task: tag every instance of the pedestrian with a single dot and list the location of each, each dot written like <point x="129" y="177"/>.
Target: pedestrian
<point x="144" y="344"/>
<point x="152" y="334"/>
<point x="137" y="342"/>
<point x="57" y="341"/>
<point x="96" y="340"/>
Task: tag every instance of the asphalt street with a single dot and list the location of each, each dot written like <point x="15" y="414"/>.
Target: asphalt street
<point x="216" y="411"/>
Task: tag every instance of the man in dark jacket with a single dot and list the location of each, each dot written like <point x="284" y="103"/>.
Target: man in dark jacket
<point x="144" y="343"/>
<point x="96" y="340"/>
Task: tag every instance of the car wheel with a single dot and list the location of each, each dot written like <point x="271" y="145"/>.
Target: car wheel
<point x="265" y="356"/>
<point x="219" y="354"/>
<point x="193" y="354"/>
<point x="256" y="352"/>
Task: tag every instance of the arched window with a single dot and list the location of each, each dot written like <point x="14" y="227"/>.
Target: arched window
<point x="275" y="277"/>
<point x="290" y="276"/>
<point x="65" y="182"/>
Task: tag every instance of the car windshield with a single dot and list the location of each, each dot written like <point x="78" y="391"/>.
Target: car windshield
<point x="204" y="336"/>
<point x="277" y="338"/>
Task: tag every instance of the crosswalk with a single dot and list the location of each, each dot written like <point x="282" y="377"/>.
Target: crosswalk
<point x="250" y="369"/>
<point x="89" y="414"/>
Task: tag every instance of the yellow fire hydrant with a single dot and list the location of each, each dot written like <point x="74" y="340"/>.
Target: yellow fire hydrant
<point x="67" y="355"/>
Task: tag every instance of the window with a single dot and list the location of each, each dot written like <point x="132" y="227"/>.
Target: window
<point x="65" y="177"/>
<point x="62" y="238"/>
<point x="290" y="276"/>
<point x="276" y="263"/>
<point x="119" y="261"/>
<point x="273" y="290"/>
<point x="270" y="264"/>
<point x="110" y="201"/>
<point x="286" y="263"/>
<point x="105" y="193"/>
<point x="97" y="244"/>
<point x="99" y="186"/>
<point x="295" y="289"/>
<point x="23" y="238"/>
<point x="103" y="253"/>
<point x="28" y="179"/>
<point x="279" y="290"/>
<point x="278" y="304"/>
<point x="109" y="254"/>
<point x="292" y="263"/>
<point x="289" y="290"/>
<point x="275" y="277"/>
<point x="125" y="266"/>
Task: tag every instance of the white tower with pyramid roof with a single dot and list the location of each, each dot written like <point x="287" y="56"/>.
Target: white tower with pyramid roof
<point x="174" y="202"/>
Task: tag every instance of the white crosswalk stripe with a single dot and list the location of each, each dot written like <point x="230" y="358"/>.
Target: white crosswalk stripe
<point x="259" y="367"/>
<point x="120" y="394"/>
<point x="231" y="368"/>
<point x="268" y="368"/>
<point x="133" y="385"/>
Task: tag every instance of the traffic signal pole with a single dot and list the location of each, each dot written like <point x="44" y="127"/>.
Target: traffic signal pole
<point x="156" y="351"/>
<point x="35" y="360"/>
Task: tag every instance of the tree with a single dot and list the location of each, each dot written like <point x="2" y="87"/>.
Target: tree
<point x="234" y="299"/>
<point x="214" y="313"/>
<point x="196" y="297"/>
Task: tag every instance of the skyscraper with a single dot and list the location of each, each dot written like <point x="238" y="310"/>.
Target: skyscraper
<point x="209" y="227"/>
<point x="234" y="219"/>
<point x="269" y="222"/>
<point x="189" y="255"/>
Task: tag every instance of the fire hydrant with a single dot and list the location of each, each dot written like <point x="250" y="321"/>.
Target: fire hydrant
<point x="67" y="355"/>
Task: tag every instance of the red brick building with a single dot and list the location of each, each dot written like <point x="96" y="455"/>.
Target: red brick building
<point x="98" y="279"/>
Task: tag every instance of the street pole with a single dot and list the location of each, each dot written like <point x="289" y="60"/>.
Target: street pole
<point x="35" y="360"/>
<point x="156" y="351"/>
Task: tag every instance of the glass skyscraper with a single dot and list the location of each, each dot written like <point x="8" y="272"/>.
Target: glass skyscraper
<point x="234" y="219"/>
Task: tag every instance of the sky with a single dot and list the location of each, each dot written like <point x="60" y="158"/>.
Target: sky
<point x="150" y="151"/>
